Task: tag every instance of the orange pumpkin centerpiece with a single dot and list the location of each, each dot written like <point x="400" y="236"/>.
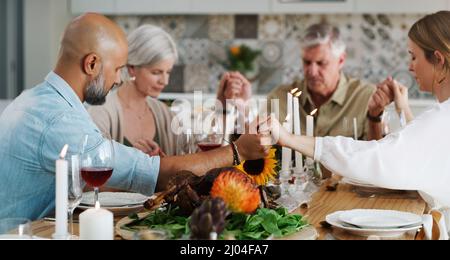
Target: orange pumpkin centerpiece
<point x="237" y="190"/>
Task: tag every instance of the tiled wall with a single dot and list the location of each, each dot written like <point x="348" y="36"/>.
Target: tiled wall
<point x="376" y="46"/>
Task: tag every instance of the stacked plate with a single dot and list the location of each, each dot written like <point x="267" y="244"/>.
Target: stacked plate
<point x="118" y="202"/>
<point x="382" y="223"/>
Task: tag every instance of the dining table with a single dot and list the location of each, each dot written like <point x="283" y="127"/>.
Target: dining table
<point x="332" y="196"/>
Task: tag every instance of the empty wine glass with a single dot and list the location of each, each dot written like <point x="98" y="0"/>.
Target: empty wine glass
<point x="15" y="228"/>
<point x="185" y="143"/>
<point x="75" y="191"/>
<point x="96" y="162"/>
<point x="385" y="122"/>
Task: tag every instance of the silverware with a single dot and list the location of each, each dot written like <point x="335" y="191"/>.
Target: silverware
<point x="54" y="219"/>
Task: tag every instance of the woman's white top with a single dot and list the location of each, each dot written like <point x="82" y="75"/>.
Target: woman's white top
<point x="415" y="158"/>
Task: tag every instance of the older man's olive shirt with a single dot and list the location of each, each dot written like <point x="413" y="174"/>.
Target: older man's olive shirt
<point x="350" y="100"/>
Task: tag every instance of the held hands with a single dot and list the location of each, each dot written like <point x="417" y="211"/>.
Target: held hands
<point x="236" y="87"/>
<point x="382" y="97"/>
<point x="401" y="97"/>
<point x="149" y="147"/>
<point x="255" y="144"/>
<point x="388" y="91"/>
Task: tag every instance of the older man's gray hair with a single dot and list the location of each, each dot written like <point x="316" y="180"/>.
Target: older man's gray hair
<point x="323" y="33"/>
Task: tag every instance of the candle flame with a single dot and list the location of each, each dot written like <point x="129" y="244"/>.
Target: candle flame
<point x="97" y="205"/>
<point x="63" y="153"/>
<point x="298" y="94"/>
<point x="314" y="112"/>
<point x="294" y="90"/>
<point x="287" y="117"/>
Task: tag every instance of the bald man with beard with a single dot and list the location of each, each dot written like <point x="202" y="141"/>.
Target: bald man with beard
<point x="36" y="126"/>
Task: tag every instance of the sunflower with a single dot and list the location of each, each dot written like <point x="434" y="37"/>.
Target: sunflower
<point x="262" y="170"/>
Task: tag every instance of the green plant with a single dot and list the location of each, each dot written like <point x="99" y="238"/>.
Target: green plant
<point x="241" y="58"/>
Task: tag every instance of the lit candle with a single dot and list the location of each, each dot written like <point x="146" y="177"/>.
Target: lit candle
<point x="96" y="224"/>
<point x="286" y="153"/>
<point x="289" y="109"/>
<point x="297" y="130"/>
<point x="355" y="128"/>
<point x="310" y="124"/>
<point x="61" y="203"/>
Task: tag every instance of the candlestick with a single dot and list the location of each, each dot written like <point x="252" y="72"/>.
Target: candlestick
<point x="290" y="96"/>
<point x="61" y="201"/>
<point x="96" y="224"/>
<point x="310" y="124"/>
<point x="297" y="130"/>
<point x="286" y="155"/>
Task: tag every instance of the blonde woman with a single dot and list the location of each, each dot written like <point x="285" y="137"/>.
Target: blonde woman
<point x="132" y="115"/>
<point x="416" y="157"/>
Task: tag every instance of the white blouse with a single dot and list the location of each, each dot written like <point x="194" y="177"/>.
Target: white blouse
<point x="415" y="158"/>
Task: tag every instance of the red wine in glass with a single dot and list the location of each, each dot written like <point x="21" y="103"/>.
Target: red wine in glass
<point x="96" y="177"/>
<point x="208" y="146"/>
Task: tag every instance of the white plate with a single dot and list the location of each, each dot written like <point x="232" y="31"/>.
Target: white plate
<point x="114" y="199"/>
<point x="379" y="219"/>
<point x="356" y="183"/>
<point x="334" y="220"/>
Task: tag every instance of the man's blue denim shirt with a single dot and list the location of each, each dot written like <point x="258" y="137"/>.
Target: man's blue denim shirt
<point x="33" y="130"/>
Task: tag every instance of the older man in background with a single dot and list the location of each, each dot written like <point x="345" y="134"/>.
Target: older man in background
<point x="338" y="98"/>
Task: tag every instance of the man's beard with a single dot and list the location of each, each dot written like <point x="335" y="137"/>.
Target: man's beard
<point x="95" y="93"/>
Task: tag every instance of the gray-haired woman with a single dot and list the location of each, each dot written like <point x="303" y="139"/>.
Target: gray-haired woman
<point x="132" y="115"/>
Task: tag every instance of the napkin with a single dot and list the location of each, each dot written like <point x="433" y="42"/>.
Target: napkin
<point x="435" y="225"/>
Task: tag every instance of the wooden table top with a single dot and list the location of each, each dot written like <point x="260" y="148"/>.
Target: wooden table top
<point x="324" y="202"/>
<point x="347" y="197"/>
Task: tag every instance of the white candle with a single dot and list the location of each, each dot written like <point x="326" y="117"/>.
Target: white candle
<point x="297" y="130"/>
<point x="355" y="128"/>
<point x="62" y="183"/>
<point x="289" y="109"/>
<point x="286" y="155"/>
<point x="96" y="224"/>
<point x="310" y="124"/>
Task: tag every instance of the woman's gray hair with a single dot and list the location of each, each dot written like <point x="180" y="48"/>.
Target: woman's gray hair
<point x="148" y="45"/>
<point x="323" y="33"/>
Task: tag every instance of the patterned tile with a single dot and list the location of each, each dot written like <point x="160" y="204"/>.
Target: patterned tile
<point x="217" y="51"/>
<point x="271" y="54"/>
<point x="174" y="25"/>
<point x="296" y="25"/>
<point x="291" y="73"/>
<point x="194" y="51"/>
<point x="128" y="23"/>
<point x="196" y="27"/>
<point x="215" y="74"/>
<point x="221" y="27"/>
<point x="272" y="27"/>
<point x="269" y="79"/>
<point x="196" y="78"/>
<point x="176" y="82"/>
<point x="292" y="53"/>
<point x="246" y="27"/>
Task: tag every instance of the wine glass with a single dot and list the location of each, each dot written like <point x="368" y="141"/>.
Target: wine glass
<point x="75" y="191"/>
<point x="15" y="228"/>
<point x="96" y="162"/>
<point x="185" y="142"/>
<point x="211" y="136"/>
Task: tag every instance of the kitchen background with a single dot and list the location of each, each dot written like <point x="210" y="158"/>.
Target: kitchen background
<point x="375" y="32"/>
<point x="376" y="46"/>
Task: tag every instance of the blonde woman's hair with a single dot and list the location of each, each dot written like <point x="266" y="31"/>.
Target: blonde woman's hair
<point x="148" y="45"/>
<point x="432" y="33"/>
